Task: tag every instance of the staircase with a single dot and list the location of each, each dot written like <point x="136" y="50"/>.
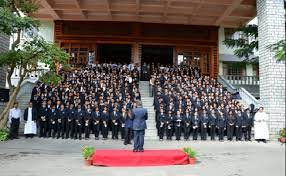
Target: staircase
<point x="23" y="98"/>
<point x="147" y="101"/>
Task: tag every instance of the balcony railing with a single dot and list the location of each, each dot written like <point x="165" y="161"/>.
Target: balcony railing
<point x="242" y="80"/>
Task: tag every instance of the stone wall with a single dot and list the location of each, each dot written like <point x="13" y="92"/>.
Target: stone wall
<point x="4" y="45"/>
<point x="271" y="29"/>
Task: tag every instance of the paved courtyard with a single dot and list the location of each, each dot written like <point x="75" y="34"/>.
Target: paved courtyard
<point x="45" y="157"/>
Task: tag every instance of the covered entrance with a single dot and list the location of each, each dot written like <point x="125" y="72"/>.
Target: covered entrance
<point x="162" y="55"/>
<point x="114" y="53"/>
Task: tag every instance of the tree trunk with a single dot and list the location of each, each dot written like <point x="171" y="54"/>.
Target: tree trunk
<point x="4" y="114"/>
<point x="9" y="75"/>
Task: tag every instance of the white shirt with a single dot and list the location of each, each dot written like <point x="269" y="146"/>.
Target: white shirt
<point x="14" y="113"/>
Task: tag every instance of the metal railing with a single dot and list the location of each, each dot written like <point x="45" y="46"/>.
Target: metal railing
<point x="242" y="80"/>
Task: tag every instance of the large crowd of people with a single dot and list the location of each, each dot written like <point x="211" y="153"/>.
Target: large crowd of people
<point x="190" y="104"/>
<point x="91" y="100"/>
<point x="99" y="99"/>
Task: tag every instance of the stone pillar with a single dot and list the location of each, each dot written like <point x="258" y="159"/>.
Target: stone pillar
<point x="271" y="29"/>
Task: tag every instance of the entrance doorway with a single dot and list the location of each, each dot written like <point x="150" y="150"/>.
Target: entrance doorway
<point x="114" y="53"/>
<point x="162" y="55"/>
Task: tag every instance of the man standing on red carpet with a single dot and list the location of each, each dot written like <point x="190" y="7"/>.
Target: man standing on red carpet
<point x="139" y="126"/>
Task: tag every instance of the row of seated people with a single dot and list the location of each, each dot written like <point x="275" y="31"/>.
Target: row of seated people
<point x="185" y="101"/>
<point x="98" y="96"/>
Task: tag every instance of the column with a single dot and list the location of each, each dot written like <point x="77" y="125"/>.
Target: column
<point x="136" y="54"/>
<point x="271" y="29"/>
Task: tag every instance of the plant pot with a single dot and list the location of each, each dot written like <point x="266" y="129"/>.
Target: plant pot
<point x="88" y="162"/>
<point x="282" y="139"/>
<point x="192" y="161"/>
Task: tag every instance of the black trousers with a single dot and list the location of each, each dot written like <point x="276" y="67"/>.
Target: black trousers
<point x="128" y="135"/>
<point x="221" y="133"/>
<point x="114" y="129"/>
<point x="244" y="133"/>
<point x="169" y="132"/>
<point x="178" y="132"/>
<point x="60" y="129"/>
<point x="14" y="128"/>
<point x="104" y="131"/>
<point x="230" y="130"/>
<point x="238" y="132"/>
<point x="195" y="133"/>
<point x="96" y="130"/>
<point x="53" y="129"/>
<point x="43" y="128"/>
<point x="87" y="131"/>
<point x="78" y="131"/>
<point x="248" y="132"/>
<point x="69" y="129"/>
<point x="203" y="133"/>
<point x="187" y="130"/>
<point x="122" y="132"/>
<point x="161" y="131"/>
<point x="212" y="131"/>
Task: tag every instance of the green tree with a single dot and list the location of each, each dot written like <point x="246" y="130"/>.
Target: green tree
<point x="280" y="50"/>
<point x="24" y="55"/>
<point x="244" y="48"/>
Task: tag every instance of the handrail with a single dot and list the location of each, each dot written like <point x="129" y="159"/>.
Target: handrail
<point x="247" y="97"/>
<point x="242" y="80"/>
<point x="224" y="82"/>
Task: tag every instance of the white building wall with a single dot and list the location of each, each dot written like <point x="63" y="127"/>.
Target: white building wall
<point x="46" y="30"/>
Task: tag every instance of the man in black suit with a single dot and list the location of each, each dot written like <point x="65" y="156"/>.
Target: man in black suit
<point x="139" y="125"/>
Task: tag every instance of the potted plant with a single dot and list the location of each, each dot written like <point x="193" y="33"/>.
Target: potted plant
<point x="87" y="153"/>
<point x="191" y="154"/>
<point x="282" y="134"/>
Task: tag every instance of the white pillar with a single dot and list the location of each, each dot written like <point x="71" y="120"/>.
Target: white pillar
<point x="271" y="29"/>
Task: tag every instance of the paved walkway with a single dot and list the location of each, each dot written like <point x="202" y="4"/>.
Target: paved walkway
<point x="45" y="157"/>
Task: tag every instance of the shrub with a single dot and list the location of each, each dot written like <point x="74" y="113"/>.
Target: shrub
<point x="87" y="152"/>
<point x="190" y="152"/>
<point x="282" y="132"/>
<point x="4" y="134"/>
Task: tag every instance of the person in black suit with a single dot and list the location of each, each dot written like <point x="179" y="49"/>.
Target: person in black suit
<point x="249" y="124"/>
<point x="61" y="121"/>
<point x="139" y="125"/>
<point x="178" y="124"/>
<point x="115" y="116"/>
<point x="195" y="125"/>
<point x="238" y="125"/>
<point x="53" y="121"/>
<point x="187" y="124"/>
<point x="80" y="114"/>
<point x="230" y="125"/>
<point x="44" y="118"/>
<point x="71" y="112"/>
<point x="221" y="125"/>
<point x="87" y="122"/>
<point x="105" y="119"/>
<point x="162" y="121"/>
<point x="96" y="116"/>
<point x="127" y="123"/>
<point x="212" y="124"/>
<point x="204" y="124"/>
<point x="170" y="125"/>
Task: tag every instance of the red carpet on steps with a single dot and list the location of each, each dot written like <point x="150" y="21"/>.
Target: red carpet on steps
<point x="147" y="158"/>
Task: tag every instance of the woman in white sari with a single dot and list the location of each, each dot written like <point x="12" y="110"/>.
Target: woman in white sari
<point x="261" y="132"/>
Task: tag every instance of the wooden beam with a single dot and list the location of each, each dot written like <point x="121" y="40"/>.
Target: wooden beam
<point x="195" y="11"/>
<point x="77" y="3"/>
<point x="228" y="11"/>
<point x="52" y="12"/>
<point x="166" y="8"/>
<point x="108" y="8"/>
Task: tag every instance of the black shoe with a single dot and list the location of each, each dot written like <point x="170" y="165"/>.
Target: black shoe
<point x="129" y="143"/>
<point x="141" y="150"/>
<point x="135" y="150"/>
<point x="125" y="143"/>
<point x="96" y="138"/>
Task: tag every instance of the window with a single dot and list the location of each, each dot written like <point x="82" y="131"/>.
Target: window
<point x="228" y="33"/>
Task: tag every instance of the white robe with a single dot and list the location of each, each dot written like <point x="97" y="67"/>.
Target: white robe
<point x="30" y="125"/>
<point x="261" y="130"/>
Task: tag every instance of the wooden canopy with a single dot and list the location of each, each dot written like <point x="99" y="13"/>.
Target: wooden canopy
<point x="227" y="13"/>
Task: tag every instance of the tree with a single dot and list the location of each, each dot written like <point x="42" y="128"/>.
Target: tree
<point x="244" y="48"/>
<point x="280" y="50"/>
<point x="27" y="55"/>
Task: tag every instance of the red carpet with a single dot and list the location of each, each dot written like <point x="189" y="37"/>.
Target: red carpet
<point x="146" y="158"/>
